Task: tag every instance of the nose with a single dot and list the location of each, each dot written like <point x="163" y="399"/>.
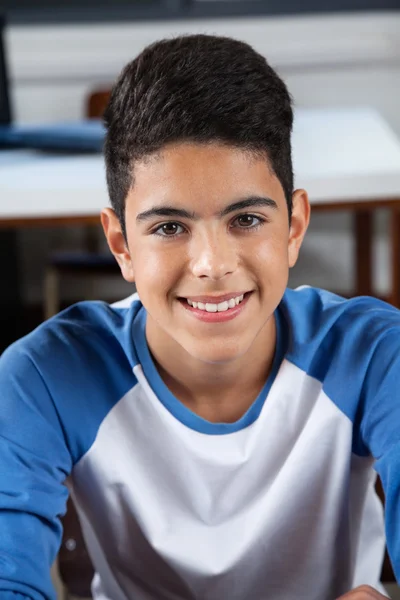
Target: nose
<point x="214" y="256"/>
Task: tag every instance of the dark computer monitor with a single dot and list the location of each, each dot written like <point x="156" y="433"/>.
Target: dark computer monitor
<point x="5" y="112"/>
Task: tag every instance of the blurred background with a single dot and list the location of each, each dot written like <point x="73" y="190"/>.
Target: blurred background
<point x="59" y="61"/>
<point x="331" y="53"/>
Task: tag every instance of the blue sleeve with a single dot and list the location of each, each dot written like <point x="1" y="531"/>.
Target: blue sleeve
<point x="380" y="429"/>
<point x="34" y="463"/>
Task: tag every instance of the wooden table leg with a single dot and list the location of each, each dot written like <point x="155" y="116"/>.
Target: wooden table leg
<point x="363" y="230"/>
<point x="395" y="256"/>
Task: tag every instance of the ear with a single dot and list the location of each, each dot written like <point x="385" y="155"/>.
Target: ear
<point x="117" y="244"/>
<point x="298" y="225"/>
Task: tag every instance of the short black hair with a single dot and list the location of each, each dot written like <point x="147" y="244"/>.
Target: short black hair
<point x="196" y="88"/>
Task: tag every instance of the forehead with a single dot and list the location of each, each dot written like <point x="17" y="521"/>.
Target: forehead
<point x="206" y="175"/>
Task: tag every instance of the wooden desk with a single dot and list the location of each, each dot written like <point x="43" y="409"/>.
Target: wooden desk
<point x="347" y="159"/>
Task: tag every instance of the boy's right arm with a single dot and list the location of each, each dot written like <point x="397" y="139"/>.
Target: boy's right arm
<point x="34" y="463"/>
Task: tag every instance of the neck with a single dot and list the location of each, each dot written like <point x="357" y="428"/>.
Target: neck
<point x="216" y="392"/>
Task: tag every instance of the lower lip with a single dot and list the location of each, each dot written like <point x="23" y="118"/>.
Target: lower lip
<point x="216" y="317"/>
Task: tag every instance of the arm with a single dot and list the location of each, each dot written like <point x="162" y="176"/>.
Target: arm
<point x="34" y="462"/>
<point x="380" y="431"/>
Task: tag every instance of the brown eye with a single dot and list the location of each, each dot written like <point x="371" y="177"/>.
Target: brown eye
<point x="169" y="229"/>
<point x="247" y="221"/>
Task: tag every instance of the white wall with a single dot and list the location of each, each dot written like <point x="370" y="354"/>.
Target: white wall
<point x="349" y="59"/>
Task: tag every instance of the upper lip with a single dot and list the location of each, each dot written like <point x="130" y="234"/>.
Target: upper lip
<point x="214" y="299"/>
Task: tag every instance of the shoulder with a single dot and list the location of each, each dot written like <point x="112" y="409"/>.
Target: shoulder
<point x="74" y="367"/>
<point x="80" y="328"/>
<point x="350" y="346"/>
<point x="318" y="319"/>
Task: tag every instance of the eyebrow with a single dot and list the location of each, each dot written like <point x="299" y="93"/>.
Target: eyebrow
<point x="251" y="202"/>
<point x="170" y="211"/>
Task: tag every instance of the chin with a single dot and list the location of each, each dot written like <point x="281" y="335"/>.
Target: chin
<point x="219" y="354"/>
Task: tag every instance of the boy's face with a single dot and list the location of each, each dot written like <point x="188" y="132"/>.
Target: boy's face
<point x="207" y="224"/>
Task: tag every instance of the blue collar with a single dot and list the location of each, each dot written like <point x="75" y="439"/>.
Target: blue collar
<point x="179" y="410"/>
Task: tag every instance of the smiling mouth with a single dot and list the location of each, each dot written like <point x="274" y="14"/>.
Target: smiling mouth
<point x="227" y="304"/>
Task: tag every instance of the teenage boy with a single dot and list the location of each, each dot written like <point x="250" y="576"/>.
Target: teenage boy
<point x="219" y="435"/>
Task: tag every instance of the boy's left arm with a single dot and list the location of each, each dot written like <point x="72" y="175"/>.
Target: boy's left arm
<point x="379" y="433"/>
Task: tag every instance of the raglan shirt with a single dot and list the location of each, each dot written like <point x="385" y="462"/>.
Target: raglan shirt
<point x="280" y="504"/>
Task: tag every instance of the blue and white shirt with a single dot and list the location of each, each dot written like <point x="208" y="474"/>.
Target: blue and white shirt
<point x="278" y="505"/>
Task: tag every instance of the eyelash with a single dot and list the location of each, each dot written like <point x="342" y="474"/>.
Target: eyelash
<point x="252" y="228"/>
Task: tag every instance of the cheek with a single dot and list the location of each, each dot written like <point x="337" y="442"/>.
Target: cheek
<point x="270" y="256"/>
<point x="157" y="270"/>
<point x="271" y="268"/>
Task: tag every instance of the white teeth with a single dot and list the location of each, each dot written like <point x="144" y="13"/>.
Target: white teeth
<point x="221" y="307"/>
<point x="211" y="307"/>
